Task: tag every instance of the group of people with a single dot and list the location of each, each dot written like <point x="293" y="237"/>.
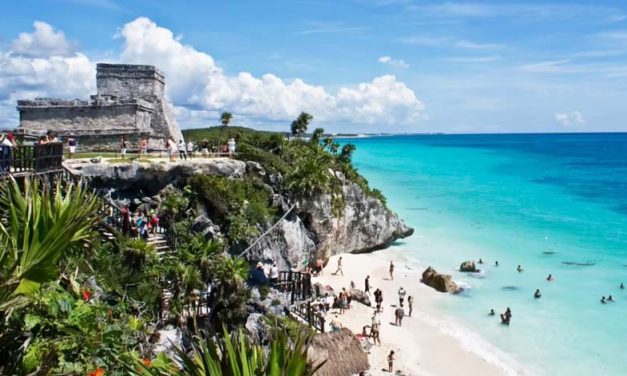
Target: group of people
<point x="140" y="224"/>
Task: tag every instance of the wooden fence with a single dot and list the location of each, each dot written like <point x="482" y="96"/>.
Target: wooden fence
<point x="31" y="159"/>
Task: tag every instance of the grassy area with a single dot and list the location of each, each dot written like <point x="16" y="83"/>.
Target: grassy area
<point x="94" y="155"/>
<point x="220" y="135"/>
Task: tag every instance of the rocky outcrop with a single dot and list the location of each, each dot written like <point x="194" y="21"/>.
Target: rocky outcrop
<point x="364" y="225"/>
<point x="440" y="282"/>
<point x="289" y="245"/>
<point x="468" y="266"/>
<point x="152" y="177"/>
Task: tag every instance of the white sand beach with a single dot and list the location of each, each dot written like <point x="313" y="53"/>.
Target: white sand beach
<point x="425" y="344"/>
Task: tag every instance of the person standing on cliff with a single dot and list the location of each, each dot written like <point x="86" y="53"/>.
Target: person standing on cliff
<point x="190" y="149"/>
<point x="182" y="152"/>
<point x="71" y="145"/>
<point x="123" y="146"/>
<point x="392" y="270"/>
<point x="339" y="267"/>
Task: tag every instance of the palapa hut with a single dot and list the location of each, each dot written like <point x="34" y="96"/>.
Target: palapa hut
<point x="342" y="351"/>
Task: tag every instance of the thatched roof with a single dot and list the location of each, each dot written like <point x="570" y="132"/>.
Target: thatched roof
<point x="343" y="351"/>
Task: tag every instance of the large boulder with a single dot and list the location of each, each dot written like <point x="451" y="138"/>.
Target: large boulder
<point x="204" y="226"/>
<point x="360" y="296"/>
<point x="468" y="266"/>
<point x="440" y="282"/>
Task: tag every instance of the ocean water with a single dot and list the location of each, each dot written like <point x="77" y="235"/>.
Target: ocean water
<point x="554" y="204"/>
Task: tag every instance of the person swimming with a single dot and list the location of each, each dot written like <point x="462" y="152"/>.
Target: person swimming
<point x="603" y="300"/>
<point x="610" y="299"/>
<point x="491" y="312"/>
<point x="496" y="263"/>
<point x="480" y="261"/>
<point x="519" y="269"/>
<point x="505" y="317"/>
<point x="537" y="294"/>
<point x="549" y="278"/>
<point x="622" y="286"/>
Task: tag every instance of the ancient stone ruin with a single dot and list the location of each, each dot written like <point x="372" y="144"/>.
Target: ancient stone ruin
<point x="129" y="103"/>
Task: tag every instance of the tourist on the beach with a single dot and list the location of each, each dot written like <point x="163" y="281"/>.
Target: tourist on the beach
<point x="491" y="313"/>
<point x="182" y="150"/>
<point x="190" y="149"/>
<point x="603" y="300"/>
<point x="549" y="278"/>
<point x="537" y="294"/>
<point x="398" y="316"/>
<point x="391" y="362"/>
<point x="622" y="286"/>
<point x="274" y="274"/>
<point x="339" y="267"/>
<point x="327" y="301"/>
<point x="391" y="270"/>
<point x="496" y="263"/>
<point x="375" y="332"/>
<point x="410" y="304"/>
<point x="71" y="145"/>
<point x="123" y="146"/>
<point x="610" y="299"/>
<point x="349" y="298"/>
<point x="401" y="295"/>
<point x="378" y="298"/>
<point x="319" y="266"/>
<point x="480" y="261"/>
<point x="519" y="269"/>
<point x="367" y="285"/>
<point x="352" y="285"/>
<point x="336" y="324"/>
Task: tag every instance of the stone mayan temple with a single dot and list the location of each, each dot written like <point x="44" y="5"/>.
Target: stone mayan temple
<point x="130" y="103"/>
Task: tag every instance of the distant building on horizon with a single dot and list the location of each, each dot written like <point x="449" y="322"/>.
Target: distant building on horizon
<point x="129" y="103"/>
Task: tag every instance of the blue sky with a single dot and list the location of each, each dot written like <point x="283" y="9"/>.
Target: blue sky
<point x="362" y="65"/>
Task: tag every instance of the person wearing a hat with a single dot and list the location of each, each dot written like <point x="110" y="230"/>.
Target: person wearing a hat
<point x="71" y="144"/>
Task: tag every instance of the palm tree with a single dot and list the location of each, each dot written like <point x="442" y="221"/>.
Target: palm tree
<point x="309" y="176"/>
<point x="225" y="118"/>
<point x="347" y="152"/>
<point x="328" y="141"/>
<point x="315" y="136"/>
<point x="299" y="126"/>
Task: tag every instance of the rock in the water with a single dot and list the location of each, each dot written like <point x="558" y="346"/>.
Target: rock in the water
<point x="468" y="266"/>
<point x="440" y="282"/>
<point x="360" y="296"/>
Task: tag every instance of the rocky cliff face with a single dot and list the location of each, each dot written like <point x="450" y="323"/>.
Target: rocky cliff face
<point x="311" y="231"/>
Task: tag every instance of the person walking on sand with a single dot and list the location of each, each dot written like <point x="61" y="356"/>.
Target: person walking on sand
<point x="367" y="285"/>
<point x="392" y="270"/>
<point x="410" y="304"/>
<point x="391" y="362"/>
<point x="398" y="316"/>
<point x="378" y="298"/>
<point x="339" y="267"/>
<point x="401" y="296"/>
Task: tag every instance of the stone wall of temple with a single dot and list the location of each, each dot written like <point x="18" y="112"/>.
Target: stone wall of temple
<point x="130" y="103"/>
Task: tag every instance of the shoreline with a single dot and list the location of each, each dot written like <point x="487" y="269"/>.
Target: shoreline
<point x="429" y="342"/>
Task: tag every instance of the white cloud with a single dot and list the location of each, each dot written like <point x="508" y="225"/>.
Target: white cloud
<point x="574" y="118"/>
<point x="199" y="88"/>
<point x="393" y="62"/>
<point x="45" y="41"/>
<point x="194" y="80"/>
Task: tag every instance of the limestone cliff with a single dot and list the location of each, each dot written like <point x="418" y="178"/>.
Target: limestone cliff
<point x="310" y="231"/>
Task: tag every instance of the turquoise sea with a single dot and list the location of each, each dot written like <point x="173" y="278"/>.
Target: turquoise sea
<point x="552" y="203"/>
